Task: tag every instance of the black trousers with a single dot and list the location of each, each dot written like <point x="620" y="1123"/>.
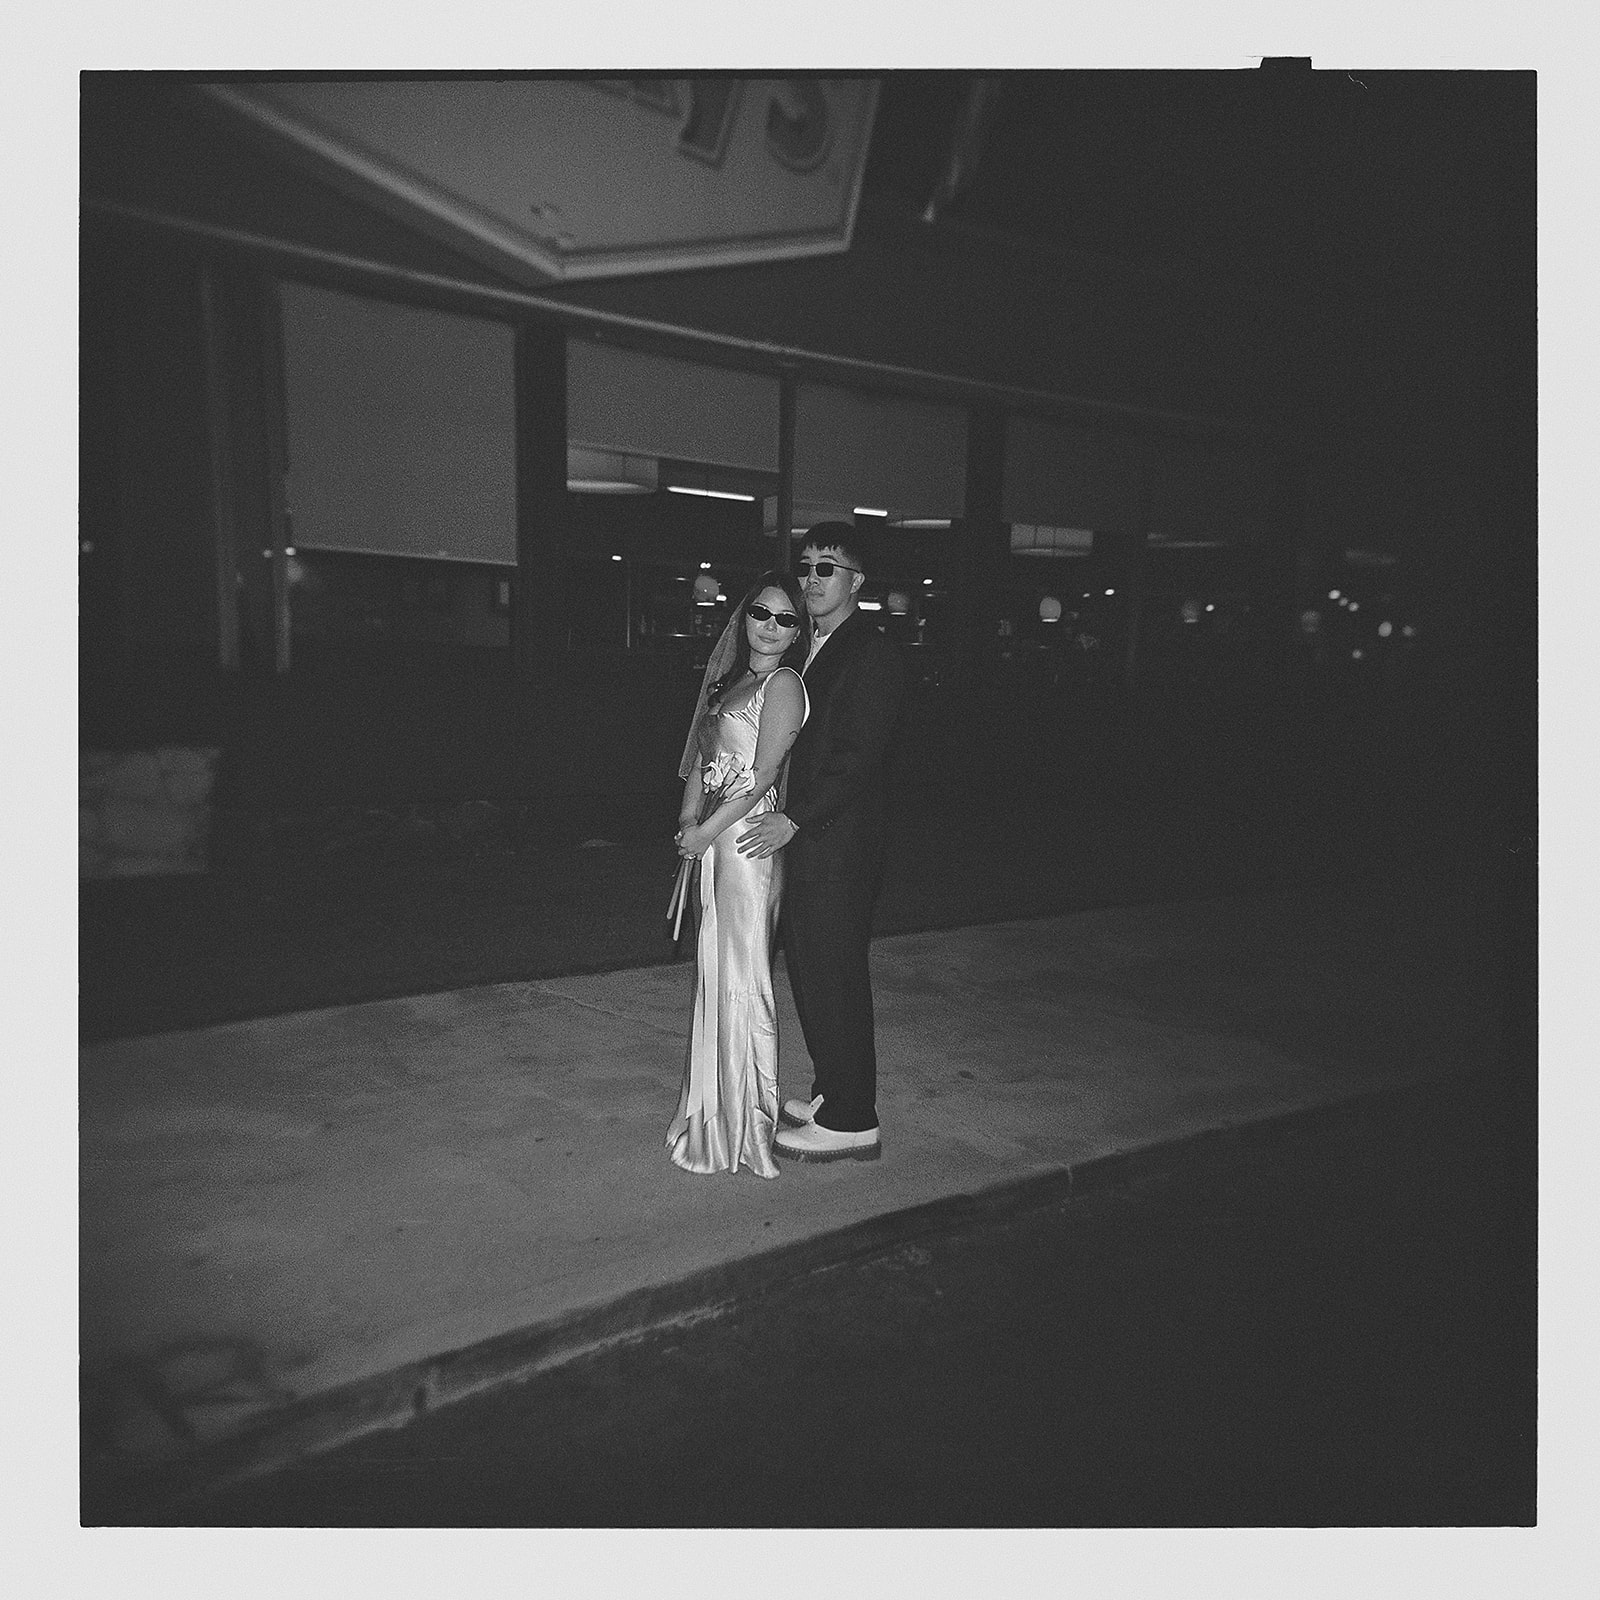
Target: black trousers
<point x="827" y="927"/>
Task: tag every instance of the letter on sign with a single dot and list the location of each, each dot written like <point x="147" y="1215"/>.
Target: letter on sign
<point x="797" y="125"/>
<point x="712" y="103"/>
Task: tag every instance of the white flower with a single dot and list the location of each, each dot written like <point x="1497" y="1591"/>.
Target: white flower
<point x="725" y="772"/>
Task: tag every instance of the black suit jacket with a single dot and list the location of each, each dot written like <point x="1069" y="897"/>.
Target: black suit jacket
<point x="837" y="793"/>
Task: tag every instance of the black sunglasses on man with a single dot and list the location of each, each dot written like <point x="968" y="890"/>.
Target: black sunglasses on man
<point x="823" y="569"/>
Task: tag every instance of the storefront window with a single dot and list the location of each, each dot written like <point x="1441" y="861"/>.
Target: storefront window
<point x="1207" y="553"/>
<point x="401" y="482"/>
<point x="670" y="465"/>
<point x="654" y="573"/>
<point x="896" y="469"/>
<point x="1070" y="497"/>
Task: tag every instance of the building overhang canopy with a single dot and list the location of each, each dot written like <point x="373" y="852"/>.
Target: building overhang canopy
<point x="929" y="310"/>
<point x="570" y="178"/>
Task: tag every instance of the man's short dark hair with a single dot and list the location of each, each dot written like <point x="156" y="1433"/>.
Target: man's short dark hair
<point x="844" y="537"/>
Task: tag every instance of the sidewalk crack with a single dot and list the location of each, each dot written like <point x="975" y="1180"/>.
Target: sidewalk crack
<point x="606" y="1011"/>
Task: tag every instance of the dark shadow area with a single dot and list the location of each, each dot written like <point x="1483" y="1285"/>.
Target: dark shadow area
<point x="1030" y="799"/>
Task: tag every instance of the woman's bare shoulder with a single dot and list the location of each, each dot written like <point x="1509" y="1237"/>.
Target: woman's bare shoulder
<point x="785" y="690"/>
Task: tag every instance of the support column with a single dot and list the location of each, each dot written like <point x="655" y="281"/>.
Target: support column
<point x="981" y="553"/>
<point x="786" y="416"/>
<point x="269" y="330"/>
<point x="1134" y="566"/>
<point x="245" y="419"/>
<point x="538" y="612"/>
<point x="223" y="477"/>
<point x="1294" y="564"/>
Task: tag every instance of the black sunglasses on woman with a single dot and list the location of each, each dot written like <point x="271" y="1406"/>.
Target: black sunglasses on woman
<point x="784" y="619"/>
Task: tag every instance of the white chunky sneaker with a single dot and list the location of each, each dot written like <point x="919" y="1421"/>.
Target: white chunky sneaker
<point x="797" y="1113"/>
<point x="813" y="1142"/>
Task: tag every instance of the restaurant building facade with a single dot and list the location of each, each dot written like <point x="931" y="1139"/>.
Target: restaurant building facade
<point x="385" y="523"/>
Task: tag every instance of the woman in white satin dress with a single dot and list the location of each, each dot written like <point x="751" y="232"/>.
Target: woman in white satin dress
<point x="752" y="705"/>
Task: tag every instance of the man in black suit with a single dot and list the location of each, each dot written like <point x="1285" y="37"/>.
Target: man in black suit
<point x="832" y="828"/>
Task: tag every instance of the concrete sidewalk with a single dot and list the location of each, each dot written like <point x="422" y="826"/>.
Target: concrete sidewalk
<point x="299" y="1227"/>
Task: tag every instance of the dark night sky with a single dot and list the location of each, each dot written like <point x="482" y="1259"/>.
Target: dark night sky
<point x="1398" y="207"/>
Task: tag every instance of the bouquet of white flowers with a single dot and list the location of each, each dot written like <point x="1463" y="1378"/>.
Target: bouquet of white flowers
<point x="720" y="779"/>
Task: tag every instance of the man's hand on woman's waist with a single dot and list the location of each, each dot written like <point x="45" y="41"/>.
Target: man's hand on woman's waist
<point x="767" y="835"/>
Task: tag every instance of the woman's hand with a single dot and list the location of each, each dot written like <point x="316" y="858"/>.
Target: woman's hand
<point x="693" y="842"/>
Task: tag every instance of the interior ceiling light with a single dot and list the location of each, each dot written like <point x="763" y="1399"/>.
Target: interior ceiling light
<point x="920" y="522"/>
<point x="710" y="494"/>
<point x="867" y="511"/>
<point x="869" y="605"/>
<point x="591" y="471"/>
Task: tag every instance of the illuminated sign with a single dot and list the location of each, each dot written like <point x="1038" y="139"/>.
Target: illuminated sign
<point x="587" y="178"/>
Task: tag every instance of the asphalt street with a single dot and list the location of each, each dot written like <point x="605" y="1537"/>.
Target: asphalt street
<point x="1327" y="1321"/>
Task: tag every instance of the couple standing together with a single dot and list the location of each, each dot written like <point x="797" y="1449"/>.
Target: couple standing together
<point x="783" y="807"/>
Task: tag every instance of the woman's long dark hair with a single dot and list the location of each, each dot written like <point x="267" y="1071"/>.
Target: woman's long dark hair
<point x="794" y="656"/>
